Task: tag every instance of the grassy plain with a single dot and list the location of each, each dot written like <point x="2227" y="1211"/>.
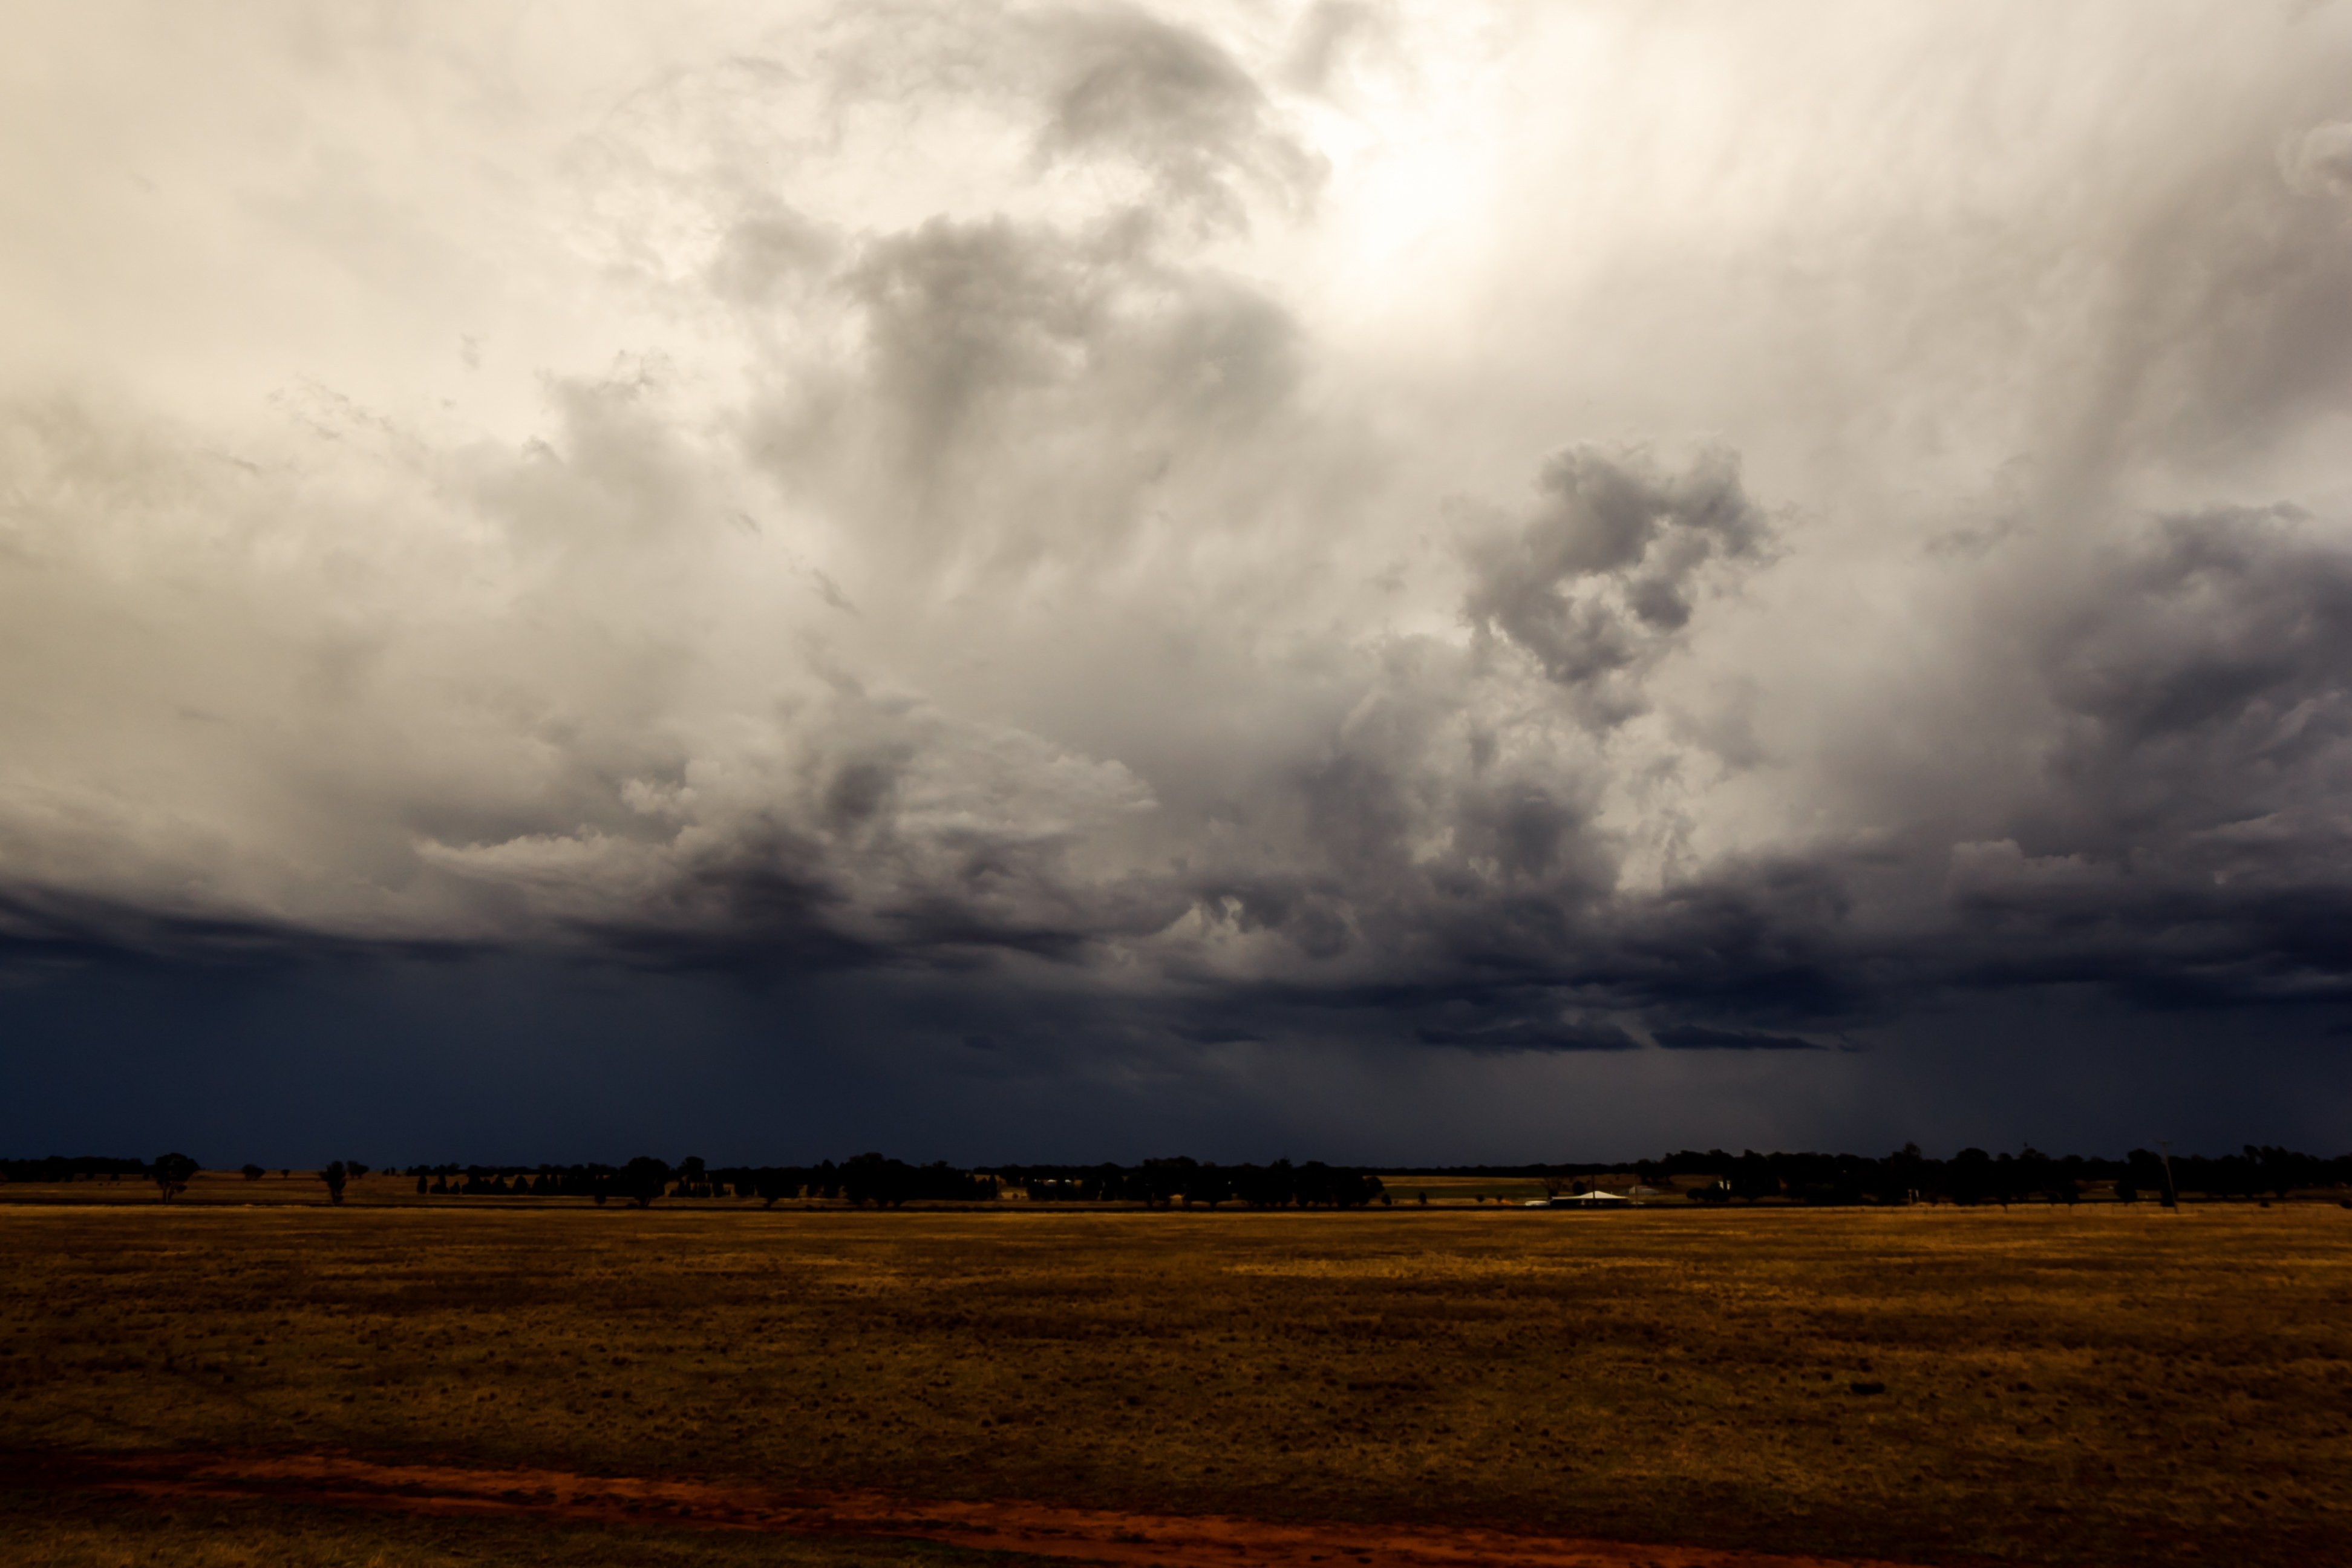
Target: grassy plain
<point x="2100" y="1385"/>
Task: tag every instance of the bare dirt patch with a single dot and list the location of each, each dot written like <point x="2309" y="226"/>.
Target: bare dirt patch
<point x="1037" y="1529"/>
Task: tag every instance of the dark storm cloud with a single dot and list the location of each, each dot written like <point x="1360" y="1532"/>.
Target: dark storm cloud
<point x="1522" y="1034"/>
<point x="2187" y="837"/>
<point x="1023" y="390"/>
<point x="2180" y="841"/>
<point x="1599" y="581"/>
<point x="1215" y="1033"/>
<point x="1185" y="538"/>
<point x="2180" y="844"/>
<point x="1699" y="1037"/>
<point x="2206" y="690"/>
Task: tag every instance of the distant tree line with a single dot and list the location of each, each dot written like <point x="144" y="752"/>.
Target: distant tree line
<point x="874" y="1180"/>
<point x="1163" y="1183"/>
<point x="1971" y="1176"/>
<point x="864" y="1179"/>
<point x="1906" y="1176"/>
<point x="79" y="1167"/>
<point x="170" y="1173"/>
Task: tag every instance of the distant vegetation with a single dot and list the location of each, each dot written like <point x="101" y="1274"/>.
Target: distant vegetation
<point x="1716" y="1177"/>
<point x="865" y="1179"/>
<point x="335" y="1175"/>
<point x="170" y="1174"/>
<point x="80" y="1168"/>
<point x="1974" y="1176"/>
<point x="1164" y="1182"/>
<point x="1971" y="1176"/>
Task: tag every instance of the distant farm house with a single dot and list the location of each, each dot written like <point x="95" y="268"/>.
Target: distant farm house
<point x="1592" y="1200"/>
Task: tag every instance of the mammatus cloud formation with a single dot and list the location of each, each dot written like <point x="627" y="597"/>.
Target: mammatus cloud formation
<point x="1585" y="529"/>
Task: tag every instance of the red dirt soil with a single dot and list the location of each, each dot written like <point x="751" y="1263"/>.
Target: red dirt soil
<point x="1096" y="1535"/>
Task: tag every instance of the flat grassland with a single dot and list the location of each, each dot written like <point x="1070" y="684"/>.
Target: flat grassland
<point x="2103" y="1384"/>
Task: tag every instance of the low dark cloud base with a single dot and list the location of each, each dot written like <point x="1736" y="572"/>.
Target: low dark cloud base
<point x="1699" y="1037"/>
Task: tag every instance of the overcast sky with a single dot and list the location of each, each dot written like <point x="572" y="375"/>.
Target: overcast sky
<point x="1348" y="580"/>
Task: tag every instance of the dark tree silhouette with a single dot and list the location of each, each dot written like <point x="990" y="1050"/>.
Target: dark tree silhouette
<point x="252" y="1173"/>
<point x="1968" y="1179"/>
<point x="1901" y="1174"/>
<point x="2036" y="1176"/>
<point x="170" y="1173"/>
<point x="2280" y="1171"/>
<point x="334" y="1176"/>
<point x="870" y="1178"/>
<point x="1211" y="1185"/>
<point x="772" y="1183"/>
<point x="642" y="1180"/>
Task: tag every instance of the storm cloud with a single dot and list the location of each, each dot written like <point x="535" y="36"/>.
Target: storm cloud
<point x="1152" y="539"/>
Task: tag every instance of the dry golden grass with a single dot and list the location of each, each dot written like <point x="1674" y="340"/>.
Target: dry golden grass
<point x="2100" y="1385"/>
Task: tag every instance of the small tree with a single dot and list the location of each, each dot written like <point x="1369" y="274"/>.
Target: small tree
<point x="334" y="1176"/>
<point x="171" y="1172"/>
<point x="642" y="1180"/>
<point x="252" y="1173"/>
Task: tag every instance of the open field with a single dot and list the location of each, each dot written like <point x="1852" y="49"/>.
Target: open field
<point x="2103" y="1384"/>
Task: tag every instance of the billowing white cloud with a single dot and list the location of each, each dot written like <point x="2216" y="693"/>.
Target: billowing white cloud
<point x="1578" y="527"/>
